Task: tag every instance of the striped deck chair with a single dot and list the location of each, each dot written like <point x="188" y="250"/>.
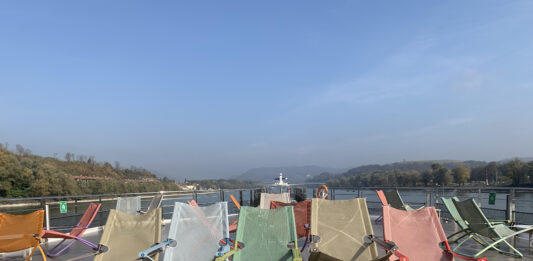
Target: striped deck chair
<point x="194" y="233"/>
<point x="479" y="225"/>
<point x="341" y="230"/>
<point x="419" y="235"/>
<point x="19" y="232"/>
<point x="76" y="233"/>
<point x="265" y="235"/>
<point x="126" y="235"/>
<point x="130" y="205"/>
<point x="267" y="197"/>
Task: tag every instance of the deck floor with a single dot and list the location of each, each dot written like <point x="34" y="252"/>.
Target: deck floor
<point x="78" y="249"/>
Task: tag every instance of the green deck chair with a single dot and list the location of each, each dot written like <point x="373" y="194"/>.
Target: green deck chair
<point x="479" y="226"/>
<point x="465" y="231"/>
<point x="266" y="235"/>
<point x="341" y="230"/>
<point x="395" y="200"/>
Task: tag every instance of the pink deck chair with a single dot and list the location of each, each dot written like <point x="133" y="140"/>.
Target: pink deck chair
<point x="419" y="234"/>
<point x="76" y="233"/>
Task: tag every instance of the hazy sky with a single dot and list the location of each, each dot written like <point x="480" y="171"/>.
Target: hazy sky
<point x="212" y="88"/>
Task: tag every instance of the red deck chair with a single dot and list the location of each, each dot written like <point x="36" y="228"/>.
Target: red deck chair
<point x="76" y="232"/>
<point x="419" y="235"/>
<point x="302" y="215"/>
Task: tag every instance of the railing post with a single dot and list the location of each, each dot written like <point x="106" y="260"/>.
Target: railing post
<point x="221" y="195"/>
<point x="314" y="193"/>
<point x="47" y="217"/>
<point x="510" y="208"/>
<point x="428" y="198"/>
<point x="251" y="198"/>
<point x="100" y="218"/>
<point x="240" y="197"/>
<point x="332" y="194"/>
<point x="195" y="196"/>
<point x="479" y="197"/>
<point x="75" y="206"/>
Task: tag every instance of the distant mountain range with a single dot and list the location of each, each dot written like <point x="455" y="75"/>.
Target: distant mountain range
<point x="294" y="174"/>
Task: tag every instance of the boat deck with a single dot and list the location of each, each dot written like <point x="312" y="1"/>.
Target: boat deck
<point x="78" y="249"/>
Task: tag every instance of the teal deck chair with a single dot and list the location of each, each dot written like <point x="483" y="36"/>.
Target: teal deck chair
<point x="479" y="225"/>
<point x="265" y="235"/>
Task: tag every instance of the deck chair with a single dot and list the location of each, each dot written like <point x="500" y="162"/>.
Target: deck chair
<point x="125" y="235"/>
<point x="341" y="230"/>
<point x="479" y="225"/>
<point x="267" y="197"/>
<point x="130" y="205"/>
<point x="19" y="232"/>
<point x="302" y="215"/>
<point x="194" y="232"/>
<point x="232" y="226"/>
<point x="419" y="235"/>
<point x="155" y="203"/>
<point x="393" y="199"/>
<point x="76" y="233"/>
<point x="463" y="226"/>
<point x="266" y="235"/>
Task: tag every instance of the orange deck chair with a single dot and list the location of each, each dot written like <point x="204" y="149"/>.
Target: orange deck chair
<point x="76" y="233"/>
<point x="19" y="232"/>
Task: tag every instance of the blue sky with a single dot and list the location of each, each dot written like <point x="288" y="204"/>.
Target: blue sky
<point x="204" y="89"/>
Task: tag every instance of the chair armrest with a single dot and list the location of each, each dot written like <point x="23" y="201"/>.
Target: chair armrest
<point x="296" y="256"/>
<point x="389" y="246"/>
<point x="227" y="255"/>
<point x="156" y="248"/>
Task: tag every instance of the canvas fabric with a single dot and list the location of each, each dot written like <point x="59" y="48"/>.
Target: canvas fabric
<point x="156" y="202"/>
<point x="17" y="232"/>
<point x="266" y="198"/>
<point x="476" y="220"/>
<point x="448" y="202"/>
<point x="126" y="235"/>
<point x="394" y="199"/>
<point x="302" y="215"/>
<point x="130" y="205"/>
<point x="417" y="233"/>
<point x="197" y="231"/>
<point x="265" y="234"/>
<point x="86" y="219"/>
<point x="342" y="226"/>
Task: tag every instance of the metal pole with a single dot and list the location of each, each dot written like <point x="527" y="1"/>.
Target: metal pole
<point x="75" y="206"/>
<point x="47" y="216"/>
<point x="240" y="197"/>
<point x="251" y="198"/>
<point x="101" y="219"/>
<point x="510" y="207"/>
<point x="428" y="198"/>
<point x="479" y="197"/>
<point x="314" y="193"/>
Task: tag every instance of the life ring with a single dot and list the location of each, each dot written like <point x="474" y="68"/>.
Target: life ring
<point x="322" y="192"/>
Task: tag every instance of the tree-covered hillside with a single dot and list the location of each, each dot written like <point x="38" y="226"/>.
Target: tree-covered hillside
<point x="23" y="174"/>
<point x="433" y="173"/>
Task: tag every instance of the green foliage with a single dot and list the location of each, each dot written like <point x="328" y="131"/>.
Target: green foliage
<point x="23" y="175"/>
<point x="461" y="174"/>
<point x="514" y="172"/>
<point x="225" y="183"/>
